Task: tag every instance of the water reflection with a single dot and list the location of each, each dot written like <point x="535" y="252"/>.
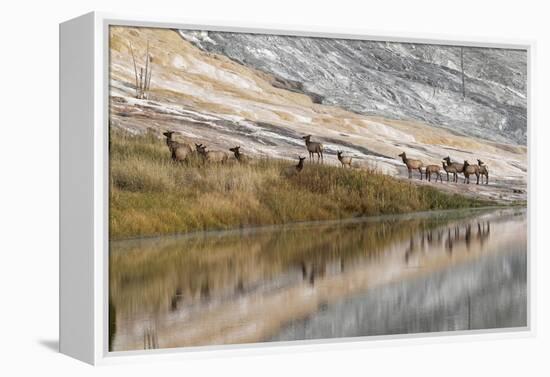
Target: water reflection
<point x="273" y="283"/>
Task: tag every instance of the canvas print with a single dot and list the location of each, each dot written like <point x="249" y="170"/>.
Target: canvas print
<point x="267" y="188"/>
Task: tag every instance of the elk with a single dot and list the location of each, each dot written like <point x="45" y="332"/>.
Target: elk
<point x="178" y="151"/>
<point x="412" y="165"/>
<point x="345" y="161"/>
<point x="211" y="156"/>
<point x="313" y="148"/>
<point x="450" y="169"/>
<point x="241" y="158"/>
<point x="469" y="170"/>
<point x="433" y="169"/>
<point x="453" y="167"/>
<point x="483" y="171"/>
<point x="294" y="169"/>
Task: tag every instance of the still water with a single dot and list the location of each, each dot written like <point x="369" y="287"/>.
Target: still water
<point x="437" y="271"/>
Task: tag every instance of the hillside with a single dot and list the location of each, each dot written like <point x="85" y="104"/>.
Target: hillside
<point x="211" y="98"/>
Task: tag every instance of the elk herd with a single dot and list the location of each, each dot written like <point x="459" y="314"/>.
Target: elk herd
<point x="182" y="152"/>
<point x="449" y="167"/>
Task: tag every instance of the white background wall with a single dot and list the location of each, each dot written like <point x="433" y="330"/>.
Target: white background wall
<point x="29" y="184"/>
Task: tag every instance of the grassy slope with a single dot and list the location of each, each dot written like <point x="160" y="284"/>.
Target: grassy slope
<point x="150" y="195"/>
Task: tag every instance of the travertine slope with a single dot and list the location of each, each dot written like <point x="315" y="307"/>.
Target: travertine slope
<point x="210" y="98"/>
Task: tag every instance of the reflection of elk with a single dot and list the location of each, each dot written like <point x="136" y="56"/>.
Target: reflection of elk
<point x="176" y="299"/>
<point x="205" y="290"/>
<point x="313" y="270"/>
<point x="410" y="250"/>
<point x="468" y="236"/>
<point x="425" y="241"/>
<point x="150" y="339"/>
<point x="447" y="238"/>
<point x="483" y="233"/>
<point x="449" y="242"/>
<point x="240" y="286"/>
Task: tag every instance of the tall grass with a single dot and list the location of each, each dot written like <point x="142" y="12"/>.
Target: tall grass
<point x="151" y="195"/>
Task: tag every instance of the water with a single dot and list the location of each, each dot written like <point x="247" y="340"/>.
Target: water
<point x="439" y="271"/>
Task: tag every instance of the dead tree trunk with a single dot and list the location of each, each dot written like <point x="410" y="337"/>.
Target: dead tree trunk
<point x="143" y="78"/>
<point x="462" y="69"/>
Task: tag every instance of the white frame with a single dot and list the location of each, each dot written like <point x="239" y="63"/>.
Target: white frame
<point x="84" y="326"/>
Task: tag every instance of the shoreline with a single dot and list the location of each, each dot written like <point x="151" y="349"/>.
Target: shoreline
<point x="348" y="220"/>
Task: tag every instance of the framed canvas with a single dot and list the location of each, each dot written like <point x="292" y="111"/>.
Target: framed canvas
<point x="230" y="188"/>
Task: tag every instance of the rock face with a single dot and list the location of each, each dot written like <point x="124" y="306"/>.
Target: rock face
<point x="394" y="80"/>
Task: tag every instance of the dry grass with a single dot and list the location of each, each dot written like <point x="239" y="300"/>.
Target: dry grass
<point x="151" y="195"/>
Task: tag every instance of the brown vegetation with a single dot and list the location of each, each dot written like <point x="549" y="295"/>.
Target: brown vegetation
<point x="151" y="195"/>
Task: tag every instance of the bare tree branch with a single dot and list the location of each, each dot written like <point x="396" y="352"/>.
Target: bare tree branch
<point x="135" y="69"/>
<point x="143" y="76"/>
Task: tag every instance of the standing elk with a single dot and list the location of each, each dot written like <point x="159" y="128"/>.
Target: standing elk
<point x="314" y="147"/>
<point x="450" y="169"/>
<point x="470" y="170"/>
<point x="412" y="165"/>
<point x="345" y="161"/>
<point x="433" y="169"/>
<point x="483" y="171"/>
<point x="455" y="167"/>
<point x="178" y="151"/>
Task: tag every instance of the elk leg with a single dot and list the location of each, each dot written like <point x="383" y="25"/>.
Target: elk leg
<point x="420" y="170"/>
